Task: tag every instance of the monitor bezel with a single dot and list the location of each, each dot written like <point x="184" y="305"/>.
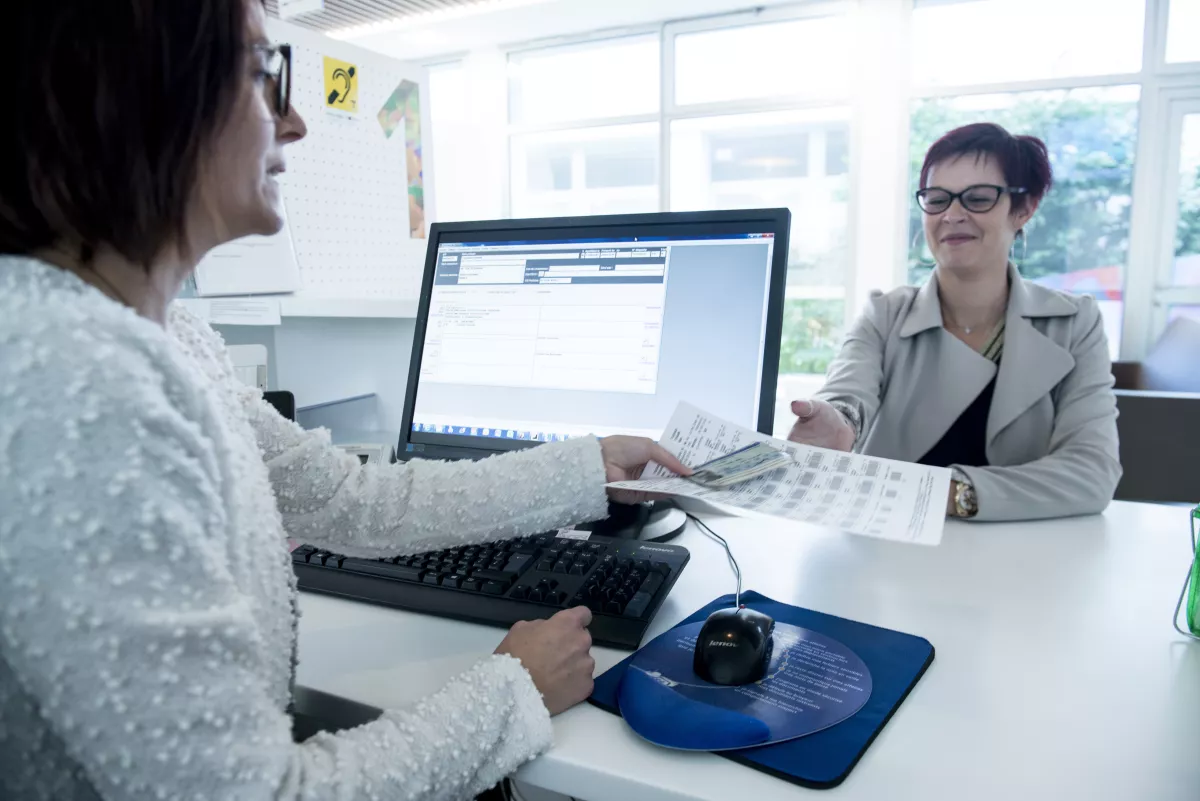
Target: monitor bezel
<point x="776" y="221"/>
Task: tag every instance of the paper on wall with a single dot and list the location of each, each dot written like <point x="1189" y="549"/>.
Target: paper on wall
<point x="252" y="265"/>
<point x="857" y="494"/>
<point x="234" y="311"/>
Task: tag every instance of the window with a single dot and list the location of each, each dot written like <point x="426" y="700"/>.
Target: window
<point x="585" y="137"/>
<point x="798" y="57"/>
<point x="606" y="170"/>
<point x="1079" y="238"/>
<point x="759" y="109"/>
<point x="447" y="101"/>
<point x="1183" y="25"/>
<point x="1186" y="268"/>
<point x="795" y="159"/>
<point x="1025" y="40"/>
<point x="610" y="78"/>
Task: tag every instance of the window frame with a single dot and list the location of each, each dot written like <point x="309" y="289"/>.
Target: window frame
<point x="878" y="163"/>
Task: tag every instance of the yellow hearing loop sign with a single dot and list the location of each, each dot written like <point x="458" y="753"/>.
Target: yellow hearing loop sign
<point x="341" y="85"/>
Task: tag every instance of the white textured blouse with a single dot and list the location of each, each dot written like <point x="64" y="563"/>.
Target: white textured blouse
<point x="147" y="600"/>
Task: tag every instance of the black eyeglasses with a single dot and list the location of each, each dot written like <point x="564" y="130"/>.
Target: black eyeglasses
<point x="279" y="69"/>
<point x="979" y="198"/>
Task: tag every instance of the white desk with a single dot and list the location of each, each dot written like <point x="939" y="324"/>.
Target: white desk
<point x="1057" y="676"/>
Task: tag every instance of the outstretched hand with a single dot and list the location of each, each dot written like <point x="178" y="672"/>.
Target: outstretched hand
<point x="820" y="425"/>
<point x="625" y="459"/>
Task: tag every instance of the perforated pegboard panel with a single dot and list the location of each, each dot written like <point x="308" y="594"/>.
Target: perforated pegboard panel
<point x="347" y="185"/>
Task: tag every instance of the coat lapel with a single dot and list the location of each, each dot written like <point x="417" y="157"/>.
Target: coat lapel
<point x="1033" y="364"/>
<point x="944" y="362"/>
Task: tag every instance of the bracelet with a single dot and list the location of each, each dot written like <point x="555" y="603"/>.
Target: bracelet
<point x="850" y="414"/>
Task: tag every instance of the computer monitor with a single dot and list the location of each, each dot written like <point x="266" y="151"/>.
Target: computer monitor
<point x="533" y="331"/>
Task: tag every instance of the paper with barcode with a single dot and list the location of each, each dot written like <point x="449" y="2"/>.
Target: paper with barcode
<point x="857" y="494"/>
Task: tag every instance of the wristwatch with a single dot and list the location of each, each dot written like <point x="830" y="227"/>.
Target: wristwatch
<point x="965" y="502"/>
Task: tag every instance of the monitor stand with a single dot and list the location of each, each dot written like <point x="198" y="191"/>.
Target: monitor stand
<point x="659" y="521"/>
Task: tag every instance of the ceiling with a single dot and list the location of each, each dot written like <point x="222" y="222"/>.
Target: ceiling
<point x="339" y="14"/>
<point x="424" y="30"/>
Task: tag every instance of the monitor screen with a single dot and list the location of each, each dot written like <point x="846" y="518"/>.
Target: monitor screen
<point x="539" y="331"/>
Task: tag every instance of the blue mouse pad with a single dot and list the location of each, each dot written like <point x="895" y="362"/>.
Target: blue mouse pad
<point x="812" y="682"/>
<point x="824" y="758"/>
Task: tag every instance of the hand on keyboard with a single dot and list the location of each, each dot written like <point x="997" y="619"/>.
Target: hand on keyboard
<point x="557" y="654"/>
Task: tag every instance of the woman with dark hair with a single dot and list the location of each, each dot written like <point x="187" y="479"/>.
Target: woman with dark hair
<point x="147" y="602"/>
<point x="1005" y="381"/>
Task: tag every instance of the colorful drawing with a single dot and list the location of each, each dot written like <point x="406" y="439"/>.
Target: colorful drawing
<point x="341" y="85"/>
<point x="404" y="106"/>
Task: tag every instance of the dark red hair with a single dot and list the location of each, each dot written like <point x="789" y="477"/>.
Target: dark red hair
<point x="1024" y="160"/>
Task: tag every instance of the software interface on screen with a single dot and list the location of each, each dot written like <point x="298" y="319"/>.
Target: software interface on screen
<point x="548" y="340"/>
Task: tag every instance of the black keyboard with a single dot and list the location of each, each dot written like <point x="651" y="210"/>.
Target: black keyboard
<point x="622" y="581"/>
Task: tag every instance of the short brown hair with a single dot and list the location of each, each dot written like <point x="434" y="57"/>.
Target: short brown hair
<point x="1024" y="160"/>
<point x="115" y="103"/>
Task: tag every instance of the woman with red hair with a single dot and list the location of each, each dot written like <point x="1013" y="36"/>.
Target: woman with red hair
<point x="1004" y="381"/>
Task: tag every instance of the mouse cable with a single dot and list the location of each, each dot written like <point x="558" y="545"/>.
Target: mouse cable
<point x="737" y="571"/>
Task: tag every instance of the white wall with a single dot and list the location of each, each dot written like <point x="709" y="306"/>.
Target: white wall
<point x="325" y="359"/>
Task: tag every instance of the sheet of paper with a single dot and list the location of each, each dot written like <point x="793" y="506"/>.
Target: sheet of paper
<point x="857" y="494"/>
<point x="234" y="311"/>
<point x="252" y="265"/>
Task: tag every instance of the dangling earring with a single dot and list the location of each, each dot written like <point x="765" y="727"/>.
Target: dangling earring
<point x="920" y="253"/>
<point x="1012" y="252"/>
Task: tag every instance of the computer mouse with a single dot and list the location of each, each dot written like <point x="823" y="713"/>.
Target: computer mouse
<point x="734" y="646"/>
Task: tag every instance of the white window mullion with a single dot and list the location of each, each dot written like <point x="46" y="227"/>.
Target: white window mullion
<point x="666" y="102"/>
<point x="879" y="153"/>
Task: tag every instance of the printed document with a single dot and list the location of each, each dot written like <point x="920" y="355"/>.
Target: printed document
<point x="857" y="494"/>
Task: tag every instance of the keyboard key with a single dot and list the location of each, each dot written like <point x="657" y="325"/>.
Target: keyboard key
<point x="528" y="548"/>
<point x="661" y="568"/>
<point x="560" y="566"/>
<point x="384" y="569"/>
<point x="637" y="605"/>
<point x="595" y="547"/>
<point x="452" y="581"/>
<point x="545" y="565"/>
<point x="613" y="607"/>
<point x="432" y="578"/>
<point x="495" y="575"/>
<point x="577" y="569"/>
<point x="556" y="598"/>
<point x="537" y="594"/>
<point x="652" y="584"/>
<point x="521" y="591"/>
<point x="471" y="584"/>
<point x="494" y="587"/>
<point x="517" y="562"/>
<point x="642" y="565"/>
